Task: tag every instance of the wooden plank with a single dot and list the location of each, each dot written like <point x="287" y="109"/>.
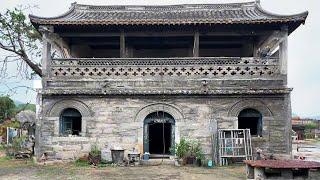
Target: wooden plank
<point x="164" y="33"/>
<point x="283" y="52"/>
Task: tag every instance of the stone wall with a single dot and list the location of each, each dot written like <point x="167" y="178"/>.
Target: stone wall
<point x="118" y="120"/>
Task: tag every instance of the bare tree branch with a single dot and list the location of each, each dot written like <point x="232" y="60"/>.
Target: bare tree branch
<point x="18" y="37"/>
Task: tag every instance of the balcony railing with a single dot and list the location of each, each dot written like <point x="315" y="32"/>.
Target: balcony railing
<point x="131" y="68"/>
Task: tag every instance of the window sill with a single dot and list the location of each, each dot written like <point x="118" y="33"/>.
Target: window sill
<point x="258" y="139"/>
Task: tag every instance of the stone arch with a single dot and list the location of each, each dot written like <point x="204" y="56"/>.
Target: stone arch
<point x="170" y="109"/>
<point x="58" y="107"/>
<point x="250" y="104"/>
<point x="175" y="112"/>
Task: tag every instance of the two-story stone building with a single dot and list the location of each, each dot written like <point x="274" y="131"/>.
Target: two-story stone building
<point x="145" y="76"/>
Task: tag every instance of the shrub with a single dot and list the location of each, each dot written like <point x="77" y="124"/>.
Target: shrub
<point x="95" y="150"/>
<point x="186" y="148"/>
<point x="95" y="155"/>
<point x="181" y="149"/>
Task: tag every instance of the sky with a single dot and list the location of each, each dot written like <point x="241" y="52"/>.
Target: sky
<point x="303" y="63"/>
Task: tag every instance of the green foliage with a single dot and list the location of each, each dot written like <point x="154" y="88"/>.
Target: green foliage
<point x="17" y="143"/>
<point x="188" y="148"/>
<point x="7" y="108"/>
<point x="16" y="146"/>
<point x="311" y="125"/>
<point x="20" y="40"/>
<point x="95" y="150"/>
<point x="181" y="149"/>
<point x="5" y="159"/>
<point x="81" y="163"/>
<point x="3" y="126"/>
<point x="196" y="150"/>
<point x="14" y="25"/>
<point x="22" y="107"/>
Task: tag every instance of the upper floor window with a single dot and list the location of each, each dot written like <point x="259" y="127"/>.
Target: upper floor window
<point x="70" y="122"/>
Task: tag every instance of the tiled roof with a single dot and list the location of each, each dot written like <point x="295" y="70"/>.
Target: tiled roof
<point x="185" y="14"/>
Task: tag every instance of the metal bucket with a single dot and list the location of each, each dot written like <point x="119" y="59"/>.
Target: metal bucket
<point x="117" y="156"/>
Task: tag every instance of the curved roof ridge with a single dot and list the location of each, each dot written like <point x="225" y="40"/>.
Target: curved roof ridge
<point x="179" y="14"/>
<point x="75" y="6"/>
<point x="170" y="5"/>
<point x="259" y="7"/>
<point x="71" y="9"/>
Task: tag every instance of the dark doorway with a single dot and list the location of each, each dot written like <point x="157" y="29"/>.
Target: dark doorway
<point x="70" y="122"/>
<point x="159" y="138"/>
<point x="250" y="119"/>
<point x="158" y="133"/>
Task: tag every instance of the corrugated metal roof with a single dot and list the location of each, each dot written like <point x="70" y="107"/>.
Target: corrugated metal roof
<point x="284" y="164"/>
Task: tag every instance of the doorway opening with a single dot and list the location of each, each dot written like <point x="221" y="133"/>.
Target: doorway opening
<point x="159" y="138"/>
<point x="158" y="133"/>
<point x="250" y="119"/>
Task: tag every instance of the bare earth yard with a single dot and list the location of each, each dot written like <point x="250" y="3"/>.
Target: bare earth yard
<point x="21" y="169"/>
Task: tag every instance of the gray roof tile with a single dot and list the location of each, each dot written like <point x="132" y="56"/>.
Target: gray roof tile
<point x="235" y="13"/>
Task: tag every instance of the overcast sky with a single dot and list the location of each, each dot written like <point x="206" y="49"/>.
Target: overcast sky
<point x="303" y="64"/>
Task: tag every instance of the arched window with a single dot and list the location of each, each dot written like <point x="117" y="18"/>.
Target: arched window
<point x="250" y="119"/>
<point x="70" y="122"/>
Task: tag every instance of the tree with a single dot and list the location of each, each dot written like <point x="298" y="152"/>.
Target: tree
<point x="7" y="108"/>
<point x="20" y="40"/>
<point x="311" y="125"/>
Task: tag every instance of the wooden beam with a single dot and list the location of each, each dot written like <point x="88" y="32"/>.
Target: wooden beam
<point x="196" y="45"/>
<point x="165" y="34"/>
<point x="271" y="43"/>
<point x="122" y="45"/>
<point x="46" y="50"/>
<point x="283" y="52"/>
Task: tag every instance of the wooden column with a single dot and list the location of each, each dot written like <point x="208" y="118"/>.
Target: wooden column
<point x="196" y="44"/>
<point x="46" y="50"/>
<point x="283" y="52"/>
<point x="122" y="45"/>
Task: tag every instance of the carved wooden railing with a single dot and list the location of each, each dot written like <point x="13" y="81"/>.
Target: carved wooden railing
<point x="130" y="68"/>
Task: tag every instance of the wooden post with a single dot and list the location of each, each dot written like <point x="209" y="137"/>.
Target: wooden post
<point x="283" y="52"/>
<point x="46" y="50"/>
<point x="196" y="44"/>
<point x="122" y="45"/>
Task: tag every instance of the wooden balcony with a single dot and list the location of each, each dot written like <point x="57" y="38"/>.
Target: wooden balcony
<point x="165" y="68"/>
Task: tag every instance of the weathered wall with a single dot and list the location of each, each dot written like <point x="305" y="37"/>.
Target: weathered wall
<point x="119" y="120"/>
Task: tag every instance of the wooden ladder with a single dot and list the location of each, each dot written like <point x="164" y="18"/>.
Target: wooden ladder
<point x="234" y="143"/>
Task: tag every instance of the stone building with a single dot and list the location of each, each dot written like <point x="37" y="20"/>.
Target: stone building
<point x="145" y="76"/>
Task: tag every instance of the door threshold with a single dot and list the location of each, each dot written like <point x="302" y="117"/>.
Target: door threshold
<point x="159" y="156"/>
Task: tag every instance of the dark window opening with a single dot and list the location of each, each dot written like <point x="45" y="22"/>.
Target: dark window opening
<point x="250" y="119"/>
<point x="70" y="122"/>
<point x="225" y="46"/>
<point x="159" y="47"/>
<point x="160" y="138"/>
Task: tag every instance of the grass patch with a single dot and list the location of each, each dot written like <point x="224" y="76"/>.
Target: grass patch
<point x="5" y="158"/>
<point x="81" y="163"/>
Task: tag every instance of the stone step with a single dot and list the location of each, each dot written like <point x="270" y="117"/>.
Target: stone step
<point x="154" y="162"/>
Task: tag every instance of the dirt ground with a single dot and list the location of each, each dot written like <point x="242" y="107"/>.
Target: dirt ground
<point x="309" y="149"/>
<point x="21" y="169"/>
